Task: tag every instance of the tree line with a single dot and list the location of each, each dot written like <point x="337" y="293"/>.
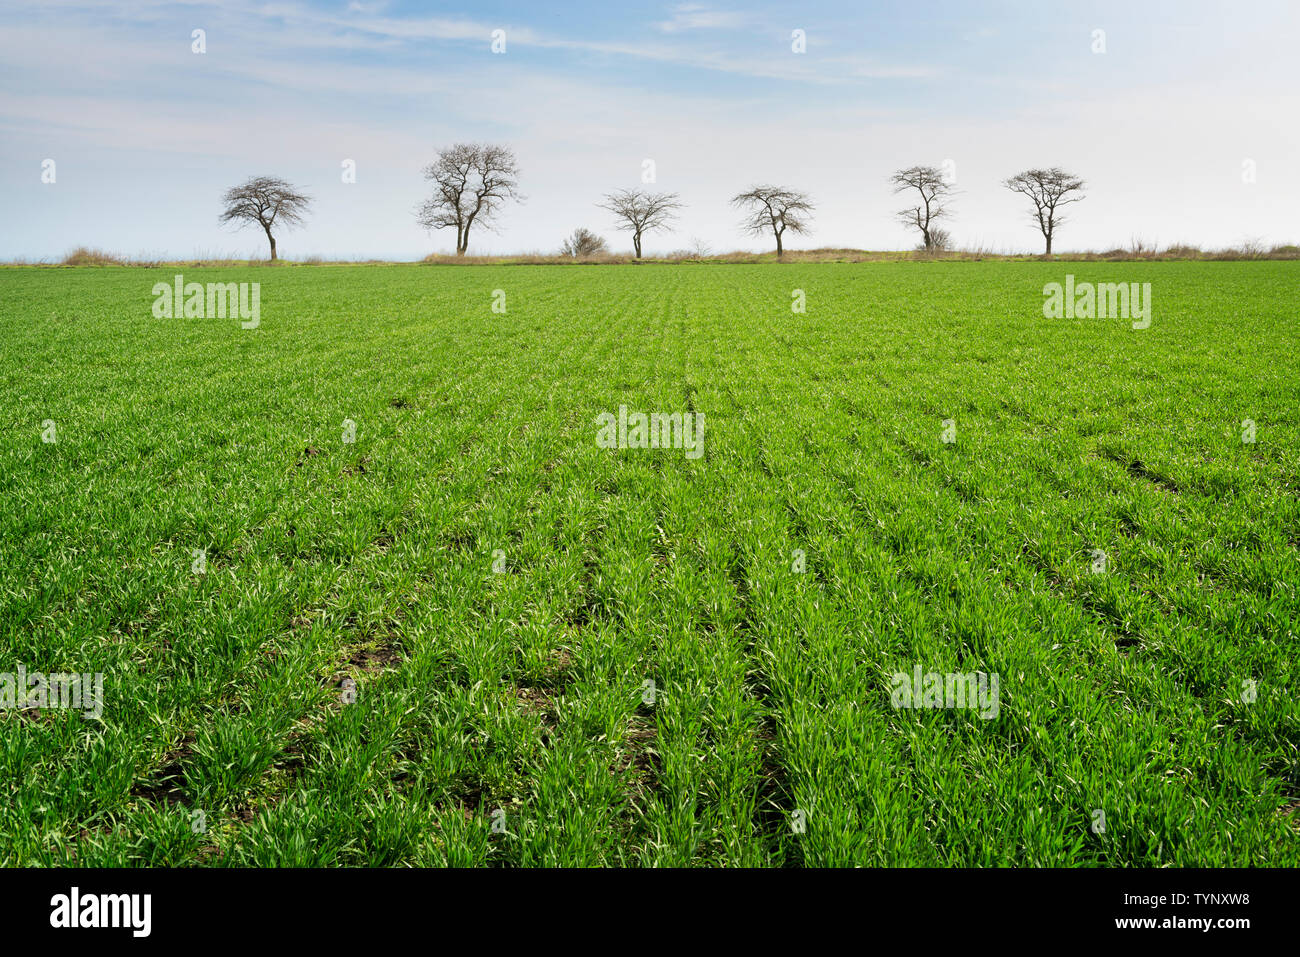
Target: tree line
<point x="473" y="181"/>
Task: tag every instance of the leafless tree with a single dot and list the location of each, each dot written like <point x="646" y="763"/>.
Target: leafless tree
<point x="1049" y="190"/>
<point x="267" y="201"/>
<point x="774" y="209"/>
<point x="583" y="243"/>
<point x="471" y="181"/>
<point x="699" y="249"/>
<point x="933" y="193"/>
<point x="641" y="211"/>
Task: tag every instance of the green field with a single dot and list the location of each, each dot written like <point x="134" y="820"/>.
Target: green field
<point x="1160" y="692"/>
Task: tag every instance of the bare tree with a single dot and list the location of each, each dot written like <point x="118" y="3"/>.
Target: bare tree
<point x="699" y="249"/>
<point x="1049" y="190"/>
<point x="471" y="181"/>
<point x="583" y="243"/>
<point x="641" y="211"/>
<point x="267" y="201"/>
<point x="774" y="209"/>
<point x="933" y="193"/>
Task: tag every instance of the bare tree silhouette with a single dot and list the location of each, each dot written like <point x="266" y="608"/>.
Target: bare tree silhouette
<point x="774" y="209"/>
<point x="268" y="202"/>
<point x="641" y="211"/>
<point x="471" y="182"/>
<point x="1049" y="190"/>
<point x="932" y="197"/>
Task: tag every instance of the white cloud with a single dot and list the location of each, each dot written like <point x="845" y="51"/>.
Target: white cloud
<point x="693" y="16"/>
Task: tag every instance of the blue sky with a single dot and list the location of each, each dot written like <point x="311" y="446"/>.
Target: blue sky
<point x="146" y="134"/>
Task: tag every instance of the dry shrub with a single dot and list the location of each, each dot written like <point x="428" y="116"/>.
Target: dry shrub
<point x="85" y="256"/>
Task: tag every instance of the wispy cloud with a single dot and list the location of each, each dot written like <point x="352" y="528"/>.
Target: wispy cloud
<point x="692" y="41"/>
<point x="694" y="16"/>
<point x="779" y="64"/>
<point x="716" y="97"/>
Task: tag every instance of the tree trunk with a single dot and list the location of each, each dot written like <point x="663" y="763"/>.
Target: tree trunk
<point x="1049" y="244"/>
<point x="779" y="250"/>
<point x="271" y="240"/>
<point x="636" y="243"/>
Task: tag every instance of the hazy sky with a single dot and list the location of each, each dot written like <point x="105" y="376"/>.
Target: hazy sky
<point x="146" y="134"/>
